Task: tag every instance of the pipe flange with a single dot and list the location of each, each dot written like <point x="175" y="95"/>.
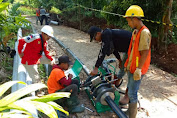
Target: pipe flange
<point x="102" y="99"/>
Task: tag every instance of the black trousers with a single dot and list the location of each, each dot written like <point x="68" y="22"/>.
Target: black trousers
<point x="42" y="18"/>
<point x="74" y="87"/>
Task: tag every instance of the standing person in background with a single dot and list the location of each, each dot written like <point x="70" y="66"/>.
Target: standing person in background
<point x="139" y="55"/>
<point x="37" y="15"/>
<point x="31" y="55"/>
<point x="43" y="15"/>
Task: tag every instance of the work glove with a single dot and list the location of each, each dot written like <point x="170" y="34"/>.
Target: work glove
<point x="137" y="74"/>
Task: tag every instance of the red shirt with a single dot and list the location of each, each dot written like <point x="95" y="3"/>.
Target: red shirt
<point x="32" y="50"/>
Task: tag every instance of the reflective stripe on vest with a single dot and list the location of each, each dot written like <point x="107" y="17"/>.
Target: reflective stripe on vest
<point x="136" y="54"/>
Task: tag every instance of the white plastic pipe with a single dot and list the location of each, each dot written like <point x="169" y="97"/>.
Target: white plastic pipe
<point x="54" y="22"/>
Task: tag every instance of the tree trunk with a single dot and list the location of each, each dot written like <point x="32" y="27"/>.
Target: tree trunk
<point x="93" y="12"/>
<point x="165" y="30"/>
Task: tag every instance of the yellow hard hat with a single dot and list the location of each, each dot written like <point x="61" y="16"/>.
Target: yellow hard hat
<point x="134" y="11"/>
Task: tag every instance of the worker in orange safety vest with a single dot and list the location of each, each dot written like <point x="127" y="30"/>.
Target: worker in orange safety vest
<point x="139" y="55"/>
<point x="37" y="15"/>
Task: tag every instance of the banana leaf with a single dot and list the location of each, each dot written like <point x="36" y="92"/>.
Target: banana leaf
<point x="4" y="87"/>
<point x="45" y="108"/>
<point x="20" y="93"/>
<point x="15" y="114"/>
<point x="52" y="97"/>
<point x="58" y="107"/>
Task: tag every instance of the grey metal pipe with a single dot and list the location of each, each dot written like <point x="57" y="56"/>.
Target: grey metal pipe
<point x="69" y="52"/>
<point x="34" y="31"/>
<point x="15" y="70"/>
<point x="19" y="72"/>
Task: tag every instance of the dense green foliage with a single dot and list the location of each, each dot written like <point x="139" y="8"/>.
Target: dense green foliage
<point x="27" y="11"/>
<point x="154" y="10"/>
<point x="10" y="21"/>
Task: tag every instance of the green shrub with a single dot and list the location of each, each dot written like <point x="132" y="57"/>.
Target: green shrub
<point x="25" y="106"/>
<point x="55" y="10"/>
<point x="41" y="69"/>
<point x="27" y="11"/>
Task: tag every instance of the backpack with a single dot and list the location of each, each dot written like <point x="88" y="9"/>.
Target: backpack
<point x="42" y="43"/>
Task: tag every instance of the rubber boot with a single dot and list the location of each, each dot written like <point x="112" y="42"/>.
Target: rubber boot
<point x="73" y="105"/>
<point x="125" y="99"/>
<point x="132" y="110"/>
<point x="72" y="101"/>
<point x="76" y="109"/>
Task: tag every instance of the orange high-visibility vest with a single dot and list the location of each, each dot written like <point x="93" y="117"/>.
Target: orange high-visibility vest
<point x="136" y="54"/>
<point x="37" y="12"/>
<point x="53" y="81"/>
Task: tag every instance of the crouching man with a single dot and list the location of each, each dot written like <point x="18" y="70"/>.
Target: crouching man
<point x="59" y="82"/>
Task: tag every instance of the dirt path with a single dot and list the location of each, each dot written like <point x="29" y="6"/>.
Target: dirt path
<point x="158" y="91"/>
